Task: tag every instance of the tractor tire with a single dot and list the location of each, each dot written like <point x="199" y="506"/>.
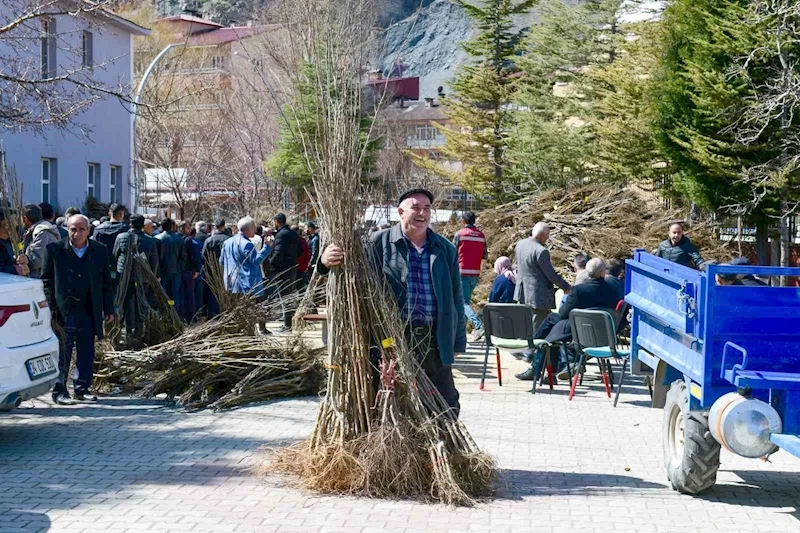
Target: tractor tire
<point x="691" y="455"/>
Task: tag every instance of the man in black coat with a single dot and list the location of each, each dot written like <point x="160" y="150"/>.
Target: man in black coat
<point x="212" y="250"/>
<point x="77" y="282"/>
<point x="107" y="233"/>
<point x="283" y="264"/>
<point x="134" y="241"/>
<point x="596" y="293"/>
<point x="172" y="260"/>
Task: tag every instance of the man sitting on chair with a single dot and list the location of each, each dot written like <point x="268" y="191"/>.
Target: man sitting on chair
<point x="596" y="293"/>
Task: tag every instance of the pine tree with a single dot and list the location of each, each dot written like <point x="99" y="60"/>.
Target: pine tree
<point x="479" y="103"/>
<point x="625" y="148"/>
<point x="551" y="143"/>
<point x="694" y="97"/>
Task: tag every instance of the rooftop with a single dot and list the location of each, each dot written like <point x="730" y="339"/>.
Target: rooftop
<point x="228" y="34"/>
<point x="185" y="17"/>
<point x="415" y="111"/>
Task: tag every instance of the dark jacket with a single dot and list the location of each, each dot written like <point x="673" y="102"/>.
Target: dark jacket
<point x="285" y="250"/>
<point x="142" y="243"/>
<point x="313" y="245"/>
<point x="7" y="261"/>
<point x="172" y="254"/>
<point x="618" y="284"/>
<point x="62" y="231"/>
<point x="684" y="253"/>
<point x="106" y="234"/>
<point x="212" y="248"/>
<point x="191" y="256"/>
<point x="502" y="291"/>
<point x="594" y="294"/>
<point x="751" y="281"/>
<point x="201" y="237"/>
<point x="59" y="278"/>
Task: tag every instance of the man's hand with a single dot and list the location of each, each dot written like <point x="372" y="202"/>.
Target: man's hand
<point x="110" y="319"/>
<point x="22" y="259"/>
<point x="569" y="290"/>
<point x="195" y="274"/>
<point x="22" y="270"/>
<point x="332" y="256"/>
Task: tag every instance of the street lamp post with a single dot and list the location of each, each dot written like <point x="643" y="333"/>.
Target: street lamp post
<point x="136" y="103"/>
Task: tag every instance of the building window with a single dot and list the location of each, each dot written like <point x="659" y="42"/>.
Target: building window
<point x="47" y="179"/>
<point x="93" y="180"/>
<point x="427" y="133"/>
<point x="87" y="44"/>
<point x="114" y="184"/>
<point x="48" y="45"/>
<point x="217" y="62"/>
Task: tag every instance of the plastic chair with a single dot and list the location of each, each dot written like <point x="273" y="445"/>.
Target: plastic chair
<point x="595" y="335"/>
<point x="509" y="326"/>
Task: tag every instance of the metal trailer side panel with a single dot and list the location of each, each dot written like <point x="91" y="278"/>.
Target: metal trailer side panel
<point x="668" y="305"/>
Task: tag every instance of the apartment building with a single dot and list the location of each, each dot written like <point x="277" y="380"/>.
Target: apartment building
<point x="64" y="166"/>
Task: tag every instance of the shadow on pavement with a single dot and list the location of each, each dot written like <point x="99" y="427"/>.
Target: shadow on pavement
<point x="759" y="488"/>
<point x="27" y="521"/>
<point x="60" y="457"/>
<point x="516" y="484"/>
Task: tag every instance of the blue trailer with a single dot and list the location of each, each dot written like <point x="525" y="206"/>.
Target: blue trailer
<point x="724" y="362"/>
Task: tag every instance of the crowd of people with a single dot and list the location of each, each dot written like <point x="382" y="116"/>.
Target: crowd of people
<point x="82" y="262"/>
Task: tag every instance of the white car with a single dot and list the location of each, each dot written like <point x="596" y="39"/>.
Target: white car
<point x="28" y="346"/>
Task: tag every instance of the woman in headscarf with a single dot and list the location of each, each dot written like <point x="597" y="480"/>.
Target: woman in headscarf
<point x="503" y="287"/>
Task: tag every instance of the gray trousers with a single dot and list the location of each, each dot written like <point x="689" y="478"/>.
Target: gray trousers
<point x="539" y="316"/>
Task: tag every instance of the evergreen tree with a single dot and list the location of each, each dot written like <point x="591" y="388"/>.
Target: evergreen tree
<point x="479" y="103"/>
<point x="693" y="96"/>
<point x="625" y="147"/>
<point x="552" y="140"/>
<point x="300" y="126"/>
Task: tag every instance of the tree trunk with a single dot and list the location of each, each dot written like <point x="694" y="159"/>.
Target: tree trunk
<point x="739" y="231"/>
<point x="762" y="243"/>
<point x="786" y="239"/>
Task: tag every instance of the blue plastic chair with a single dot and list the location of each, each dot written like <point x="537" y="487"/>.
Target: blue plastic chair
<point x="595" y="335"/>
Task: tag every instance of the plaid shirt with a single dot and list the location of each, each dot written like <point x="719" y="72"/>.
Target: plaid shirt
<point x="421" y="298"/>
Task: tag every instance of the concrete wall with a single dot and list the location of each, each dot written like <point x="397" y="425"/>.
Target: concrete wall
<point x="107" y="136"/>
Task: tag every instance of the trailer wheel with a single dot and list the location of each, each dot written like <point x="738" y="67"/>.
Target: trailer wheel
<point x="691" y="455"/>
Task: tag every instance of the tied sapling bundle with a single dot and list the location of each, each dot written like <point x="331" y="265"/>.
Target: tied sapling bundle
<point x="393" y="436"/>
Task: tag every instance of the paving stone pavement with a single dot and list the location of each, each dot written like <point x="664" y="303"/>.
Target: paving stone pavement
<point x="131" y="465"/>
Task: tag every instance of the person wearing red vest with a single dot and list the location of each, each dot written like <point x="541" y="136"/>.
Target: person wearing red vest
<point x="472" y="250"/>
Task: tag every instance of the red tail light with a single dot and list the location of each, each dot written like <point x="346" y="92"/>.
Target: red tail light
<point x="6" y="311"/>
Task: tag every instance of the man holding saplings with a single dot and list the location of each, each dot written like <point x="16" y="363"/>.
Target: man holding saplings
<point x="421" y="269"/>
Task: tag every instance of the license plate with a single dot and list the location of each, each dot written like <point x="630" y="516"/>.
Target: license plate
<point x="40" y="366"/>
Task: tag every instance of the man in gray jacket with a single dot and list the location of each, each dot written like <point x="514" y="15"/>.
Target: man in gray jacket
<point x="679" y="249"/>
<point x="39" y="233"/>
<point x="536" y="276"/>
<point x="421" y="269"/>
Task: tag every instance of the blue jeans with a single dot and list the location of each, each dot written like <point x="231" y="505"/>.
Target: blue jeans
<point x="468" y="284"/>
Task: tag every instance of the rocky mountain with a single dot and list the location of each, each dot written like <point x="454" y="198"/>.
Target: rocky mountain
<point x="428" y="41"/>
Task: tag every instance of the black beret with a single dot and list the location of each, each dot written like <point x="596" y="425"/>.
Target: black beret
<point x="410" y="192"/>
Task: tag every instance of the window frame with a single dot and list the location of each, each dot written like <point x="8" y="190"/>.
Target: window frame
<point x="87" y="49"/>
<point x="48" y="48"/>
<point x="46" y="181"/>
<point x="114" y="189"/>
<point x="93" y="180"/>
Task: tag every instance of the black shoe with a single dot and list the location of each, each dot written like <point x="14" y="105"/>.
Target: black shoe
<point x="528" y="375"/>
<point x="63" y="399"/>
<point x="85" y="397"/>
